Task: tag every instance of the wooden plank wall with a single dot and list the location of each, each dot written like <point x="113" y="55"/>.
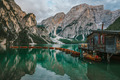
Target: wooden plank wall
<point x="118" y="44"/>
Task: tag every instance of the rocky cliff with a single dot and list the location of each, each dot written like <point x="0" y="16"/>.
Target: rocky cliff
<point x="52" y="23"/>
<point x="78" y="22"/>
<point x="17" y="27"/>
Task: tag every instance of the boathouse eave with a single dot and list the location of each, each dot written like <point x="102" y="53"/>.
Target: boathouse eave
<point x="115" y="32"/>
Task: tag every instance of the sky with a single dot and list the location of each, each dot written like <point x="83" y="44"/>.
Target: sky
<point x="47" y="8"/>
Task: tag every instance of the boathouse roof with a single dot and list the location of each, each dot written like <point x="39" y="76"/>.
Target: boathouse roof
<point x="105" y="32"/>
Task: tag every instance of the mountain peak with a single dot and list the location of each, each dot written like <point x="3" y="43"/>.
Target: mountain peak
<point x="81" y="7"/>
<point x="81" y="19"/>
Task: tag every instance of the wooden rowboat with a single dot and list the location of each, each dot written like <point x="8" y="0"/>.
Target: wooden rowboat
<point x="51" y="48"/>
<point x="92" y="57"/>
<point x="44" y="47"/>
<point x="32" y="47"/>
<point x="23" y="47"/>
<point x="14" y="47"/>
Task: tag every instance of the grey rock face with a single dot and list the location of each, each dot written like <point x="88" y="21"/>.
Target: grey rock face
<point x="53" y="22"/>
<point x="82" y="18"/>
<point x="17" y="27"/>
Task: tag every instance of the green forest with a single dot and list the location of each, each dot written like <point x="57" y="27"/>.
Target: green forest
<point x="115" y="25"/>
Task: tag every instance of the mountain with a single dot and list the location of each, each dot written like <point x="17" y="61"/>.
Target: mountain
<point x="53" y="22"/>
<point x="115" y="25"/>
<point x="78" y="22"/>
<point x="17" y="27"/>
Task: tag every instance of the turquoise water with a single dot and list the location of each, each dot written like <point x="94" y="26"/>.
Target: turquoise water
<point x="40" y="64"/>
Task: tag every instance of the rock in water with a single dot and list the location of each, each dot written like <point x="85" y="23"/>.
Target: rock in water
<point x="78" y="22"/>
<point x="17" y="27"/>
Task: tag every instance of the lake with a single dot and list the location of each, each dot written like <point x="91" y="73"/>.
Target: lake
<point x="41" y="64"/>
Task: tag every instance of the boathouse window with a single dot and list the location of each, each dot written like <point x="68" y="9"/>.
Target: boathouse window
<point x="110" y="41"/>
<point x="96" y="40"/>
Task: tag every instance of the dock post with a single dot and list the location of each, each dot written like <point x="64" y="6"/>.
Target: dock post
<point x="87" y="51"/>
<point x="81" y="53"/>
<point x="108" y="57"/>
<point x="103" y="57"/>
<point x="94" y="53"/>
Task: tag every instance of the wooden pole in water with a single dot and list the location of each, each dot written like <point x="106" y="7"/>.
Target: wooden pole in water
<point x="81" y="53"/>
<point x="108" y="58"/>
<point x="94" y="53"/>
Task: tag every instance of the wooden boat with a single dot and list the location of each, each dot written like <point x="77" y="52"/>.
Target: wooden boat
<point x="73" y="53"/>
<point x="38" y="47"/>
<point x="56" y="48"/>
<point x="68" y="51"/>
<point x="92" y="57"/>
<point x="76" y="54"/>
<point x="23" y="47"/>
<point x="61" y="49"/>
<point x="44" y="47"/>
<point x="51" y="48"/>
<point x="32" y="47"/>
<point x="14" y="47"/>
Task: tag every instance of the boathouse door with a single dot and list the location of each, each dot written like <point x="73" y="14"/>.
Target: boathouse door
<point x="110" y="44"/>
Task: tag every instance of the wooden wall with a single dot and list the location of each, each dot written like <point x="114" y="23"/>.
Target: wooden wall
<point x="118" y="44"/>
<point x="107" y="43"/>
<point x="110" y="44"/>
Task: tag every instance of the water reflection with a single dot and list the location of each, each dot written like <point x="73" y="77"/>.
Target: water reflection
<point x="13" y="65"/>
<point x="36" y="64"/>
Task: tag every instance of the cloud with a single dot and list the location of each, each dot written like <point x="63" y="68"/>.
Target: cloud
<point x="46" y="8"/>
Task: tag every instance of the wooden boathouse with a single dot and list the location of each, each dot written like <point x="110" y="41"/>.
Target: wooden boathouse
<point x="103" y="41"/>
